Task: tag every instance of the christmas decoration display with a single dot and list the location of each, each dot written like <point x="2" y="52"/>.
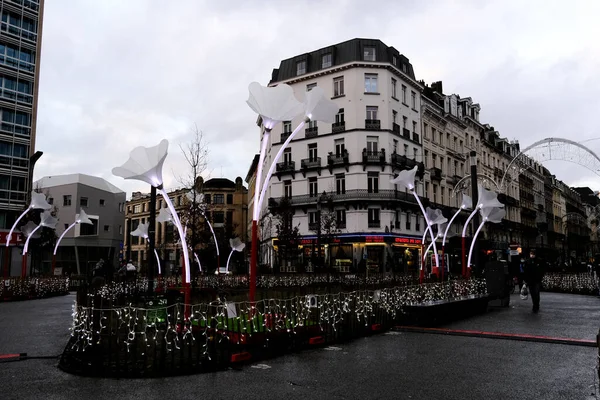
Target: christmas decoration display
<point x="582" y="283"/>
<point x="32" y="288"/>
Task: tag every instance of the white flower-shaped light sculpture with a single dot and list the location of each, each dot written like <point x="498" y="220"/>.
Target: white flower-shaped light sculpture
<point x="236" y="245"/>
<point x="435" y="217"/>
<point x="317" y="107"/>
<point x="467" y="203"/>
<point x="273" y="104"/>
<point x="406" y="179"/>
<point x="489" y="214"/>
<point x="82" y="218"/>
<point x="145" y="164"/>
<point x="142" y="231"/>
<point x="46" y="220"/>
<point x="440" y="234"/>
<point x="487" y="199"/>
<point x="164" y="215"/>
<point x="30" y="229"/>
<point x="202" y="206"/>
<point x="38" y="201"/>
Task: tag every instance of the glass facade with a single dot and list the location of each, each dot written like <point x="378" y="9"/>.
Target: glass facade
<point x="20" y="34"/>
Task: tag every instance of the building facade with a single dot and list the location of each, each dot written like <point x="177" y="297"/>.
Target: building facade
<point x="84" y="245"/>
<point x="348" y="165"/>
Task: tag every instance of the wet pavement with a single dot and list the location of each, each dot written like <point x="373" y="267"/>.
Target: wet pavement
<point x="393" y="365"/>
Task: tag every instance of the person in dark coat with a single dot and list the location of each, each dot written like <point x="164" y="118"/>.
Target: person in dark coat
<point x="533" y="273"/>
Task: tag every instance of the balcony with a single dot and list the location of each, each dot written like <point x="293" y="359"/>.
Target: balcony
<point x="310" y="164"/>
<point x="338" y="127"/>
<point x="396" y="128"/>
<point x="436" y="174"/>
<point x="402" y="162"/>
<point x="415" y="137"/>
<point x="373" y="157"/>
<point x="311" y="132"/>
<point x="285" y="135"/>
<point x="372" y="124"/>
<point x="406" y="133"/>
<point x="374" y="224"/>
<point x="338" y="160"/>
<point x="286" y="167"/>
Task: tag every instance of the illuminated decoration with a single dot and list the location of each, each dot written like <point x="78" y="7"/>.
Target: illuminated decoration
<point x="82" y="218"/>
<point x="47" y="221"/>
<point x="406" y="180"/>
<point x="236" y="245"/>
<point x="202" y="206"/>
<point x="145" y="164"/>
<point x="273" y="105"/>
<point x="490" y="214"/>
<point x="32" y="288"/>
<point x="38" y="202"/>
<point x="164" y="215"/>
<point x="467" y="204"/>
<point x="317" y="107"/>
<point x="198" y="261"/>
<point x="142" y="231"/>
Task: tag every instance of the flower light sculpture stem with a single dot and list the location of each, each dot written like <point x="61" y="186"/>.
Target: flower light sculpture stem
<point x="464" y="242"/>
<point x="423" y="246"/>
<point x="157" y="262"/>
<point x="216" y="245"/>
<point x="437" y="260"/>
<point x="184" y="248"/>
<point x="198" y="261"/>
<point x="285" y="144"/>
<point x="228" y="258"/>
<point x="58" y="242"/>
<point x="9" y="236"/>
<point x="26" y="247"/>
<point x="255" y="213"/>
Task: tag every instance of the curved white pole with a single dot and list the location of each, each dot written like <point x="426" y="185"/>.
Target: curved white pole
<point x="157" y="260"/>
<point x="177" y="222"/>
<point x="214" y="236"/>
<point x="265" y="185"/>
<point x="425" y="234"/>
<point x="437" y="258"/>
<point x="464" y="231"/>
<point x="29" y="237"/>
<point x="257" y="181"/>
<point x="448" y="226"/>
<point x="473" y="242"/>
<point x="63" y="235"/>
<point x="9" y="236"/>
<point x="198" y="261"/>
<point x="228" y="258"/>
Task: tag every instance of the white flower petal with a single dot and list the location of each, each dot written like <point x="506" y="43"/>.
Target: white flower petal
<point x="493" y="214"/>
<point x="487" y="198"/>
<point x="30" y="227"/>
<point x="273" y="104"/>
<point x="318" y="107"/>
<point x="236" y="244"/>
<point x="164" y="215"/>
<point x="48" y="220"/>
<point x="467" y="202"/>
<point x="406" y="179"/>
<point x="145" y="164"/>
<point x="83" y="218"/>
<point x="141" y="230"/>
<point x="38" y="201"/>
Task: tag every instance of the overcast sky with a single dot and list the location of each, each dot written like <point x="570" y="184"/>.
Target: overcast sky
<point x="118" y="74"/>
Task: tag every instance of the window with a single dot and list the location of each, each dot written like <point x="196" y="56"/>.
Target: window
<point x="218" y="217"/>
<point x="433" y="135"/>
<point x="310" y="86"/>
<point x="91" y="230"/>
<point x="121" y="229"/>
<point x="287" y="155"/>
<point x="413" y="99"/>
<point x="418" y="223"/>
<point x="340" y="147"/>
<point x="66" y="226"/>
<point x="374" y="217"/>
<point x="372" y="144"/>
<point x="415" y="153"/>
<point x="406" y="150"/>
<point x="326" y="60"/>
<point x="404" y="119"/>
<point x="144" y="207"/>
<point x="338" y="86"/>
<point x="441" y="138"/>
<point x="369" y="54"/>
<point x="102" y="203"/>
<point x="340" y="218"/>
<point x="219" y="199"/>
<point x="425" y="126"/>
<point x="373" y="182"/>
<point x="50" y="200"/>
<point x="312" y="152"/>
<point x="394" y="60"/>
<point x="229" y="198"/>
<point x="395" y="146"/>
<point x="312" y="219"/>
<point x="83" y="201"/>
<point x="207" y="198"/>
<point x="287" y="126"/>
<point x="425" y="159"/>
<point x="370" y="83"/>
<point x="394" y="116"/>
<point x="312" y="124"/>
<point x="300" y="67"/>
<point x="287" y="188"/>
<point x="434" y="193"/>
<point x="404" y="94"/>
<point x="106" y="228"/>
<point x="339" y="117"/>
<point x="340" y="183"/>
<point x="372" y="112"/>
<point x="66" y="200"/>
<point x="426" y="190"/>
<point x="408" y="219"/>
<point x="414" y="126"/>
<point x="313" y="189"/>
<point x="394" y="88"/>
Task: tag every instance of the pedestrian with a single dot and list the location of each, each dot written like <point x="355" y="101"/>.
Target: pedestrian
<point x="533" y="272"/>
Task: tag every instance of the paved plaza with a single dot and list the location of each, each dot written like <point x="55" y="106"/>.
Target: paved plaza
<point x="393" y="365"/>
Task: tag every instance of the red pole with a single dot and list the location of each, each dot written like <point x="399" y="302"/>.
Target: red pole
<point x="253" y="259"/>
<point x="24" y="266"/>
<point x="443" y="265"/>
<point x="464" y="257"/>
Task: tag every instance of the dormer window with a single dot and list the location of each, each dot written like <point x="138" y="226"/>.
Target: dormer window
<point x="369" y="54"/>
<point x="394" y="60"/>
<point x="326" y="60"/>
<point x="300" y="68"/>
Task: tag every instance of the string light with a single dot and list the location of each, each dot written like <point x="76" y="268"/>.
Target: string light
<point x="32" y="288"/>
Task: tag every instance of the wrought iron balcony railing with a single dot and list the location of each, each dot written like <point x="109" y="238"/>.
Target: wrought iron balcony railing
<point x="311" y="132"/>
<point x="338" y="127"/>
<point x="350" y="196"/>
<point x="372" y="124"/>
<point x="436" y="173"/>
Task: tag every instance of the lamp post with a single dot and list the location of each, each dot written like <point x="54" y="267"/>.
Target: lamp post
<point x="319" y="233"/>
<point x="475" y="197"/>
<point x="151" y="239"/>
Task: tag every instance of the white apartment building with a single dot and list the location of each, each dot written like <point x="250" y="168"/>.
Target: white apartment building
<point x="377" y="133"/>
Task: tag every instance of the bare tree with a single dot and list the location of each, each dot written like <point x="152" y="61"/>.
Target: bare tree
<point x="327" y="225"/>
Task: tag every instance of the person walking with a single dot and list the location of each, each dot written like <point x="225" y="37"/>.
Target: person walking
<point x="533" y="272"/>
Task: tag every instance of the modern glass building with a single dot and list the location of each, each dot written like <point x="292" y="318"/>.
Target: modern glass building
<point x="20" y="48"/>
